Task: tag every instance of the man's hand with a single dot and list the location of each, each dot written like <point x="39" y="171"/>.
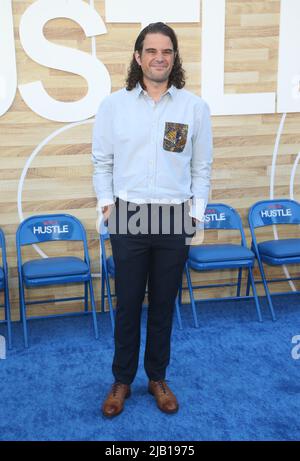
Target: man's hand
<point x="199" y="234"/>
<point x="106" y="211"/>
<point x="103" y="215"/>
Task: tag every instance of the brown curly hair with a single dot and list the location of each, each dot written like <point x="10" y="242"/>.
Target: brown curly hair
<point x="135" y="73"/>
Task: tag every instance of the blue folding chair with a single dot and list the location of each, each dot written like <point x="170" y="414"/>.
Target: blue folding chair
<point x="219" y="256"/>
<point x="275" y="252"/>
<point x="107" y="272"/>
<point x="4" y="288"/>
<point x="53" y="270"/>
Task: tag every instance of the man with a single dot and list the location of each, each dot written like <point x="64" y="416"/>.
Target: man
<point x="152" y="147"/>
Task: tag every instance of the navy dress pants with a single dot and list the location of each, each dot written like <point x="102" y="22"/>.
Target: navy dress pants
<point x="154" y="261"/>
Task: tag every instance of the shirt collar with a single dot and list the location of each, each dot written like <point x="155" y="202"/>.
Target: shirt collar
<point x="138" y="89"/>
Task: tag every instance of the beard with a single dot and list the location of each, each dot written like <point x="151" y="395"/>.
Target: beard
<point x="158" y="77"/>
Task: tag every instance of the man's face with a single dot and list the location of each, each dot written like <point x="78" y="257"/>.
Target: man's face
<point x="157" y="58"/>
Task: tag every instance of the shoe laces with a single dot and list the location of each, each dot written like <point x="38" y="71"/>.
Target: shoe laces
<point x="162" y="386"/>
<point x="115" y="388"/>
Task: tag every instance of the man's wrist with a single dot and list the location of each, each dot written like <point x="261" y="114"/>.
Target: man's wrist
<point x="103" y="203"/>
<point x="197" y="223"/>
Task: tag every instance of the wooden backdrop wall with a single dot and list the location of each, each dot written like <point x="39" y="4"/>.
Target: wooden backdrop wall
<point x="59" y="178"/>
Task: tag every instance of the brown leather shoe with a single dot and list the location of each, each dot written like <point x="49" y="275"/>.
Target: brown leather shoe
<point x="114" y="402"/>
<point x="165" y="399"/>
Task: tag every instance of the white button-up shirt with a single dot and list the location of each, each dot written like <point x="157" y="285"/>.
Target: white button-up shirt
<point x="153" y="152"/>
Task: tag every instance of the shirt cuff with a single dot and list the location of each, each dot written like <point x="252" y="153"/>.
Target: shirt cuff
<point x="104" y="202"/>
<point x="198" y="224"/>
<point x="197" y="209"/>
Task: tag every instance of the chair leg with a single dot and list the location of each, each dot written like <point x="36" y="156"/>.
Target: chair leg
<point x="189" y="282"/>
<point x="111" y="309"/>
<point x="238" y="291"/>
<point x="255" y="294"/>
<point x="178" y="304"/>
<point x="178" y="313"/>
<point x="23" y="312"/>
<point x="7" y="316"/>
<point x="263" y="276"/>
<point x="180" y="294"/>
<point x="248" y="285"/>
<point x="86" y="297"/>
<point x="102" y="287"/>
<point x="93" y="308"/>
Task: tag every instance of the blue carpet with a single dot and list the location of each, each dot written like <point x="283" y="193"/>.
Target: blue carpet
<point x="235" y="379"/>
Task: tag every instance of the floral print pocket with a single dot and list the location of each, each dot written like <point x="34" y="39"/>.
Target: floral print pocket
<point x="175" y="136"/>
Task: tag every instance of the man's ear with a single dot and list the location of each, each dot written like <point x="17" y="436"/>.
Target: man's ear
<point x="137" y="57"/>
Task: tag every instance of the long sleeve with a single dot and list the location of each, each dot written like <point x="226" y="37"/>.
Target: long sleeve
<point x="201" y="163"/>
<point x="103" y="155"/>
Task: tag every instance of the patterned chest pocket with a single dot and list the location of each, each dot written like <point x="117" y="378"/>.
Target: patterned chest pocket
<point x="175" y="136"/>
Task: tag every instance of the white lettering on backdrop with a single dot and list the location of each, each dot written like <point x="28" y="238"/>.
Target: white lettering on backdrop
<point x="152" y="11"/>
<point x="97" y="76"/>
<point x="213" y="48"/>
<point x="8" y="70"/>
<point x="288" y="80"/>
<point x="63" y="58"/>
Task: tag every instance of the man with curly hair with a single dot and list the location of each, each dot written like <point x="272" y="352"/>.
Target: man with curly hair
<point x="152" y="152"/>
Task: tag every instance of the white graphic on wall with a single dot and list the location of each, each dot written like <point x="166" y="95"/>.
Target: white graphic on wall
<point x="29" y="161"/>
<point x="272" y="187"/>
<point x="39" y="148"/>
<point x="8" y="71"/>
<point x="292" y="179"/>
<point x="63" y="58"/>
<point x="213" y="50"/>
<point x="288" y="89"/>
<point x="127" y="11"/>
